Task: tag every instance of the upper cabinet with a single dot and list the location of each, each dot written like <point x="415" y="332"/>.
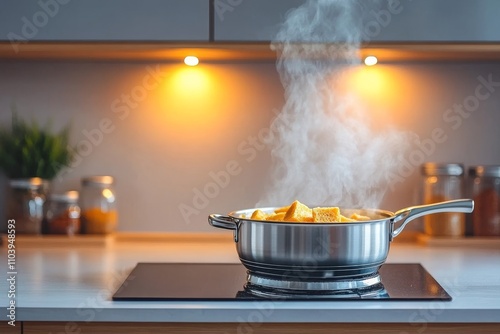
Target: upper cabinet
<point x="399" y="30"/>
<point x="250" y="21"/>
<point x="394" y="21"/>
<point x="439" y="21"/>
<point x="104" y="20"/>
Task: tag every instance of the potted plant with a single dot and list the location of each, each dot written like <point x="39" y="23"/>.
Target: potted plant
<point x="31" y="156"/>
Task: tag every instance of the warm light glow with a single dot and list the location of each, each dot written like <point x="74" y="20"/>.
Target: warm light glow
<point x="191" y="61"/>
<point x="186" y="99"/>
<point x="198" y="106"/>
<point x="370" y="83"/>
<point x="189" y="82"/>
<point x="371" y="60"/>
<point x="374" y="89"/>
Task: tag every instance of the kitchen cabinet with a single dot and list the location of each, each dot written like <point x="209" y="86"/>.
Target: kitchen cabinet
<point x="250" y="21"/>
<point x="396" y="21"/>
<point x="163" y="30"/>
<point x="440" y="21"/>
<point x="102" y="21"/>
<point x="236" y="20"/>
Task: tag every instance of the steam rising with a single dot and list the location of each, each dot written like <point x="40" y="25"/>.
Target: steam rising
<point x="324" y="149"/>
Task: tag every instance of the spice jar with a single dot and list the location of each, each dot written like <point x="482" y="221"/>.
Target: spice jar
<point x="98" y="203"/>
<point x="485" y="190"/>
<point x="443" y="182"/>
<point x="63" y="214"/>
<point x="26" y="202"/>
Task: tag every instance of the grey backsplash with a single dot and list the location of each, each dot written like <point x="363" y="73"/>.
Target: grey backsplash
<point x="182" y="127"/>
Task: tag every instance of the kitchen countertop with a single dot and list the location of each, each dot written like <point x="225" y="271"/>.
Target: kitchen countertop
<point x="75" y="283"/>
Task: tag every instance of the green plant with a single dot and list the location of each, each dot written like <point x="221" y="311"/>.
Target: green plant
<point x="28" y="150"/>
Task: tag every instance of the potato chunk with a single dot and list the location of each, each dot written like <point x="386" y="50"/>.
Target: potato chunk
<point x="259" y="215"/>
<point x="357" y="216"/>
<point x="326" y="214"/>
<point x="298" y="212"/>
<point x="277" y="217"/>
<point x="344" y="219"/>
<point x="282" y="209"/>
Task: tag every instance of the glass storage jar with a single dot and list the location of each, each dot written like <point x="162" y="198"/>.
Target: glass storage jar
<point x="443" y="182"/>
<point x="63" y="213"/>
<point x="26" y="204"/>
<point x="98" y="205"/>
<point x="485" y="190"/>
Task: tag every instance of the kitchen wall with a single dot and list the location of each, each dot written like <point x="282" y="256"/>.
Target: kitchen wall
<point x="184" y="142"/>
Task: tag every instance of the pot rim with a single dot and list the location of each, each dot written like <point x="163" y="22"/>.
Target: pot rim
<point x="237" y="215"/>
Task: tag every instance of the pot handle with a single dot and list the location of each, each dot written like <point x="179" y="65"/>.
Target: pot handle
<point x="225" y="222"/>
<point x="408" y="214"/>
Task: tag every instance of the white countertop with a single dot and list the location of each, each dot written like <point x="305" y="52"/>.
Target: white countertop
<point x="76" y="284"/>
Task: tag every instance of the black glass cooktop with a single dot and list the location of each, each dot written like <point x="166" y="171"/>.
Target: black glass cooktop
<point x="215" y="281"/>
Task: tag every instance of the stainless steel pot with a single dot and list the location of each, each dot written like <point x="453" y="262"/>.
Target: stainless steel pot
<point x="322" y="250"/>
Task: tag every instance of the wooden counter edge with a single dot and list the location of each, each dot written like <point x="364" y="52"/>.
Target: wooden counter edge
<point x="255" y="328"/>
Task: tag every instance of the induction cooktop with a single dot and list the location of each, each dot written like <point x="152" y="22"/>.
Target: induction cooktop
<point x="228" y="282"/>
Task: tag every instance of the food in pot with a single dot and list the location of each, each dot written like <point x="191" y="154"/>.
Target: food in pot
<point x="298" y="212"/>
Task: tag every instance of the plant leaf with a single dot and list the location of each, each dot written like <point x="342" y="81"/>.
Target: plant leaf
<point x="29" y="150"/>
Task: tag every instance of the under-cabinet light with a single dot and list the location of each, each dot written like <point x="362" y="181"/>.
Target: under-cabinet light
<point x="191" y="61"/>
<point x="371" y="60"/>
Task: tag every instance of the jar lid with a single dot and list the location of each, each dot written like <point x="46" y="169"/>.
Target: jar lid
<point x="31" y="183"/>
<point x="488" y="171"/>
<point x="98" y="181"/>
<point x="70" y="197"/>
<point x="432" y="168"/>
